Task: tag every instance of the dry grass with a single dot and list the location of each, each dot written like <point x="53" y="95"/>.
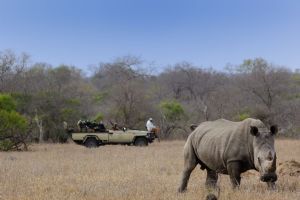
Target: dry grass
<point x="125" y="172"/>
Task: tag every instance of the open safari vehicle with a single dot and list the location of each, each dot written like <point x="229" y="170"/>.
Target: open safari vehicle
<point x="91" y="134"/>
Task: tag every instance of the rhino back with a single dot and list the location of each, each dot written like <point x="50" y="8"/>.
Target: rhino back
<point x="218" y="142"/>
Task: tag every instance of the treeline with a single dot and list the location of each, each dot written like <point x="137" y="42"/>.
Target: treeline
<point x="126" y="92"/>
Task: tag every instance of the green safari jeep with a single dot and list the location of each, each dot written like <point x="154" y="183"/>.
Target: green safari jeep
<point x="129" y="137"/>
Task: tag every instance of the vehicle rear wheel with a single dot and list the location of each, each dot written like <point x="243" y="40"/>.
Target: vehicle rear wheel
<point x="91" y="143"/>
<point x="141" y="142"/>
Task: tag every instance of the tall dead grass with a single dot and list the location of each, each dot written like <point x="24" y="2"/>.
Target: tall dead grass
<point x="70" y="171"/>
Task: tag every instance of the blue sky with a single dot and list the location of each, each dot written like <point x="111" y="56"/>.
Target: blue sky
<point x="207" y="33"/>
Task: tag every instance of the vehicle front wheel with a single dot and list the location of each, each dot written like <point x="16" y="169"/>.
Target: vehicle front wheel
<point x="91" y="143"/>
<point x="141" y="142"/>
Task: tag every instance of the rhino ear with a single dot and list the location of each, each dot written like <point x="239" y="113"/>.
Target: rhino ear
<point x="274" y="129"/>
<point x="193" y="127"/>
<point x="254" y="131"/>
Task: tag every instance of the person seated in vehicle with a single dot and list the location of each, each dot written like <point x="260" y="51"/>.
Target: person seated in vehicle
<point x="81" y="125"/>
<point x="115" y="127"/>
<point x="101" y="127"/>
<point x="152" y="128"/>
<point x="90" y="124"/>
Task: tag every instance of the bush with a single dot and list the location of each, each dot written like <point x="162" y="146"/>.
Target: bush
<point x="98" y="117"/>
<point x="6" y="145"/>
<point x="241" y="117"/>
<point x="13" y="126"/>
<point x="7" y="103"/>
<point x="62" y="137"/>
<point x="172" y="110"/>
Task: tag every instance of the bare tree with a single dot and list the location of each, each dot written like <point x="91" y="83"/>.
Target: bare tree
<point x="123" y="84"/>
<point x="12" y="68"/>
<point x="39" y="123"/>
<point x="264" y="83"/>
<point x="193" y="85"/>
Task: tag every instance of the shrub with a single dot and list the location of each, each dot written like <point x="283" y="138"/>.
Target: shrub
<point x="13" y="126"/>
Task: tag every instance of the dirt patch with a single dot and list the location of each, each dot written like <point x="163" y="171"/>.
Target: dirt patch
<point x="290" y="168"/>
<point x="287" y="168"/>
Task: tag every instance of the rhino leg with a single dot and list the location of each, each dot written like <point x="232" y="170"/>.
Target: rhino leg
<point x="234" y="171"/>
<point x="190" y="162"/>
<point x="211" y="178"/>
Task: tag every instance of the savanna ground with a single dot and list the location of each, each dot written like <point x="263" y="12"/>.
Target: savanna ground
<point x="70" y="171"/>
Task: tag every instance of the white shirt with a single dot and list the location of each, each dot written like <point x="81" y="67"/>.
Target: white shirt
<point x="149" y="125"/>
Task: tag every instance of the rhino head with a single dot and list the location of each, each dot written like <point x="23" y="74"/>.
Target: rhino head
<point x="264" y="152"/>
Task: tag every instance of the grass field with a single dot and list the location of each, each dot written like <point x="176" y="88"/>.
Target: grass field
<point x="70" y="171"/>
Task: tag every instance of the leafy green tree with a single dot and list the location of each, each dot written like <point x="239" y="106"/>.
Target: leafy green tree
<point x="7" y="103"/>
<point x="172" y="117"/>
<point x="13" y="126"/>
<point x="241" y="116"/>
<point x="172" y="110"/>
<point x="98" y="117"/>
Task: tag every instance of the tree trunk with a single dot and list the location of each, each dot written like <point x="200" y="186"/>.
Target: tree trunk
<point x="39" y="123"/>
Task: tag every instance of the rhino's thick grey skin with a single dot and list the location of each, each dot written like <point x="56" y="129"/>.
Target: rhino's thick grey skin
<point x="231" y="148"/>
